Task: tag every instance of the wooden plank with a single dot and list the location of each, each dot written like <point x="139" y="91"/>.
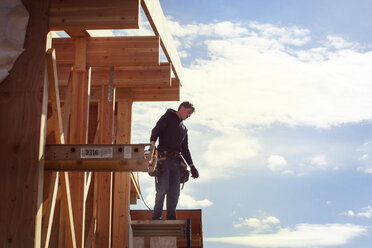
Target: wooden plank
<point x="49" y="204"/>
<point x="111" y="51"/>
<point x="80" y="54"/>
<point x="103" y="181"/>
<point x="78" y="135"/>
<point x="54" y="96"/>
<point x="156" y="228"/>
<point x="158" y="23"/>
<point x="121" y="190"/>
<point x="134" y="76"/>
<point x="135" y="190"/>
<point x="128" y="76"/>
<point x="59" y="139"/>
<point x="94" y="14"/>
<point x="136" y="95"/>
<point x="21" y="180"/>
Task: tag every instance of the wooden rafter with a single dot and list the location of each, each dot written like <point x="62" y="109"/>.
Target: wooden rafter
<point x="128" y="76"/>
<point x="93" y="14"/>
<point x="110" y="51"/>
<point x="158" y="23"/>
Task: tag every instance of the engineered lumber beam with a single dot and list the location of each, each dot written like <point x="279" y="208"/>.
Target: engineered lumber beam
<point x="80" y="87"/>
<point x="155" y="16"/>
<point x="22" y="136"/>
<point x="118" y="157"/>
<point x="128" y="76"/>
<point x="104" y="180"/>
<point x="94" y="14"/>
<point x="122" y="181"/>
<point x="135" y="94"/>
<point x="110" y="51"/>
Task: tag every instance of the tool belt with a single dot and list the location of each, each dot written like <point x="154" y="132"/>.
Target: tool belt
<point x="164" y="153"/>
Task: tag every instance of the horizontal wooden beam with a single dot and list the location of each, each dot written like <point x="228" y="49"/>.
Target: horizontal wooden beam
<point x="156" y="228"/>
<point x="118" y="157"/>
<point x="93" y="14"/>
<point x="135" y="94"/>
<point x="111" y="51"/>
<point x="128" y="76"/>
<point x="159" y="25"/>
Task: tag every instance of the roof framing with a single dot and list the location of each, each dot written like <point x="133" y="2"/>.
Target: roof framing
<point x="158" y="23"/>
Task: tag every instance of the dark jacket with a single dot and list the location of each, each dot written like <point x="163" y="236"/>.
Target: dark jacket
<point x="172" y="134"/>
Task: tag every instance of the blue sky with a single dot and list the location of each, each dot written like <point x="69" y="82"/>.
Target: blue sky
<point x="282" y="129"/>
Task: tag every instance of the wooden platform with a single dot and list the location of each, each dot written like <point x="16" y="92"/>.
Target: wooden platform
<point x="194" y="215"/>
<point x="156" y="228"/>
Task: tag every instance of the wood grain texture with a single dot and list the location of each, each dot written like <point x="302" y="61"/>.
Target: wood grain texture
<point x="21" y="175"/>
<point x="111" y="51"/>
<point x="155" y="16"/>
<point x="94" y="14"/>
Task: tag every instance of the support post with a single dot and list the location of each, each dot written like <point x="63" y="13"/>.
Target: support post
<point x="80" y="91"/>
<point x="121" y="189"/>
<point x="103" y="180"/>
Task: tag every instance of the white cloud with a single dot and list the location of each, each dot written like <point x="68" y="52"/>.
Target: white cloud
<point x="303" y="235"/>
<point x="365" y="212"/>
<point x="255" y="78"/>
<point x="364" y="157"/>
<point x="319" y="160"/>
<point x="276" y="163"/>
<point x="189" y="202"/>
<point x="227" y="154"/>
<point x="339" y="43"/>
<point x="258" y="225"/>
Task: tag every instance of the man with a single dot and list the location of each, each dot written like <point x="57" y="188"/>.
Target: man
<point x="173" y="141"/>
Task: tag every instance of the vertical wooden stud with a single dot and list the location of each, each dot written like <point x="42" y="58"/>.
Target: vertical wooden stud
<point x="121" y="190"/>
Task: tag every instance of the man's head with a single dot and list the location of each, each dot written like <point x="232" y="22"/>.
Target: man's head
<point x="185" y="110"/>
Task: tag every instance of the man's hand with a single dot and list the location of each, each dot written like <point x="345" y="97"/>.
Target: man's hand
<point x="194" y="172"/>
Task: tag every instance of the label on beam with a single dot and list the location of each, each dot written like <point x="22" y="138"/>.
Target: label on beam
<point x="89" y="152"/>
<point x="127" y="152"/>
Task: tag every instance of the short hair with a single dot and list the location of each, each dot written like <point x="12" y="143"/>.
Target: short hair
<point x="187" y="104"/>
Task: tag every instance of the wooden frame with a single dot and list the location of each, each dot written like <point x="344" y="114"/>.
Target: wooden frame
<point x="110" y="51"/>
<point x="75" y="16"/>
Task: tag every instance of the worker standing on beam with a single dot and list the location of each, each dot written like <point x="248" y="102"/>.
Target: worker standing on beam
<point x="173" y="142"/>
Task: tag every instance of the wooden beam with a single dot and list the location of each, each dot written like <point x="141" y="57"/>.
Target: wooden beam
<point x="135" y="190"/>
<point x="59" y="139"/>
<point x="158" y="23"/>
<point x="54" y="96"/>
<point x="121" y="190"/>
<point x="128" y="76"/>
<point x="80" y="87"/>
<point x="136" y="94"/>
<point x="104" y="180"/>
<point x="22" y="136"/>
<point x="51" y="182"/>
<point x="93" y="14"/>
<point x="111" y="51"/>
